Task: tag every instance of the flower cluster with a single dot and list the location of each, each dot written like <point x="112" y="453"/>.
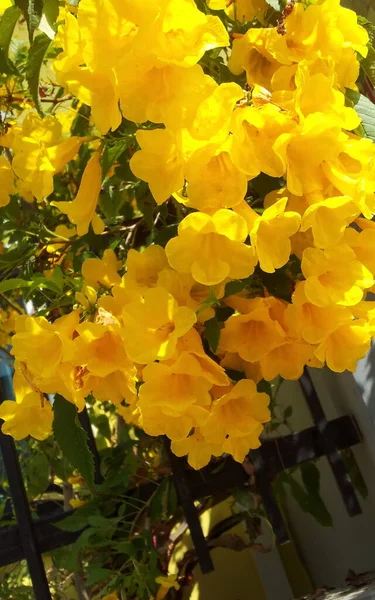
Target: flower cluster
<point x="138" y="337"/>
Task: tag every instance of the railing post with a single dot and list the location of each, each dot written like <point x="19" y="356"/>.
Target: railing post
<point x="23" y="514"/>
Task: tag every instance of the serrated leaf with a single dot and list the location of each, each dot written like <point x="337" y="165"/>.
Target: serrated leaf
<point x="366" y="111"/>
<point x="212" y="333"/>
<point x="13" y="284"/>
<point x="32" y="11"/>
<point x="99" y="522"/>
<point x="37" y="52"/>
<point x="72" y="439"/>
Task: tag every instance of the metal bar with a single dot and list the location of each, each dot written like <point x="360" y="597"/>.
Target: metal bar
<point x="190" y="511"/>
<point x="84" y="419"/>
<point x="265" y="489"/>
<point x="278" y="454"/>
<point x="331" y="450"/>
<point x="23" y="514"/>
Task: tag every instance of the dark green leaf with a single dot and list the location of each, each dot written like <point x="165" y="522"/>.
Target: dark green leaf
<point x="112" y="153"/>
<point x="6" y="65"/>
<point x="51" y="10"/>
<point x="78" y="520"/>
<point x="37" y="475"/>
<point x="72" y="439"/>
<point x="97" y="574"/>
<point x="32" y="11"/>
<point x="212" y="333"/>
<point x="237" y="286"/>
<point x="126" y="548"/>
<point x="111" y="203"/>
<point x="366" y="110"/>
<point x="7" y="24"/>
<point x="99" y="522"/>
<point x="37" y="52"/>
<point x="165" y="234"/>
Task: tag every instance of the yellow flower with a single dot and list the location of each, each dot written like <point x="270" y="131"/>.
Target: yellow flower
<point x="315" y="92"/>
<point x="77" y="502"/>
<point x="104" y="32"/>
<point x="189" y="293"/>
<point x="334" y="276"/>
<point x="175" y="397"/>
<point x="160" y="162"/>
<point x="197" y="449"/>
<point x="176" y="91"/>
<point x="182" y="34"/>
<point x="212" y="248"/>
<point x="255" y="130"/>
<point x="241" y="411"/>
<point x="4" y="4"/>
<point x="254" y="334"/>
<point x="319" y="140"/>
<point x="76" y="480"/>
<point x="233" y="362"/>
<point x="328" y="219"/>
<point x="212" y="120"/>
<point x="287" y="360"/>
<point x="343" y="347"/>
<point x="363" y="245"/>
<point x="31" y="416"/>
<point x="166" y="583"/>
<point x="96" y="271"/>
<point x="313" y="322"/>
<point x="42" y="345"/>
<point x="250" y="54"/>
<point x="240" y="10"/>
<point x="270" y="233"/>
<point x="153" y="324"/>
<point x="143" y="268"/>
<point x="214" y="182"/>
<point x="81" y="211"/>
<point x="6" y="181"/>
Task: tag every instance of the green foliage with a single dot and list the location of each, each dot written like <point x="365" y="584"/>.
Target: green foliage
<point x="37" y="53"/>
<point x="32" y="11"/>
<point x="72" y="439"/>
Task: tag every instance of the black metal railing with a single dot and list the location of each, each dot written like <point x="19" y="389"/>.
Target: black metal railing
<point x="30" y="539"/>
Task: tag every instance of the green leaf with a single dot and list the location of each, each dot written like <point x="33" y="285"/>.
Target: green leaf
<point x="126" y="548"/>
<point x="58" y="278"/>
<point x="165" y="234"/>
<point x="6" y="65"/>
<point x="51" y="10"/>
<point x="97" y="574"/>
<point x="32" y="11"/>
<point x="37" y="52"/>
<point x="237" y="286"/>
<point x="7" y="24"/>
<point x="78" y="520"/>
<point x="99" y="522"/>
<point x="112" y="153"/>
<point x="111" y="203"/>
<point x="72" y="439"/>
<point x="366" y="110"/>
<point x="212" y="333"/>
<point x="13" y="284"/>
